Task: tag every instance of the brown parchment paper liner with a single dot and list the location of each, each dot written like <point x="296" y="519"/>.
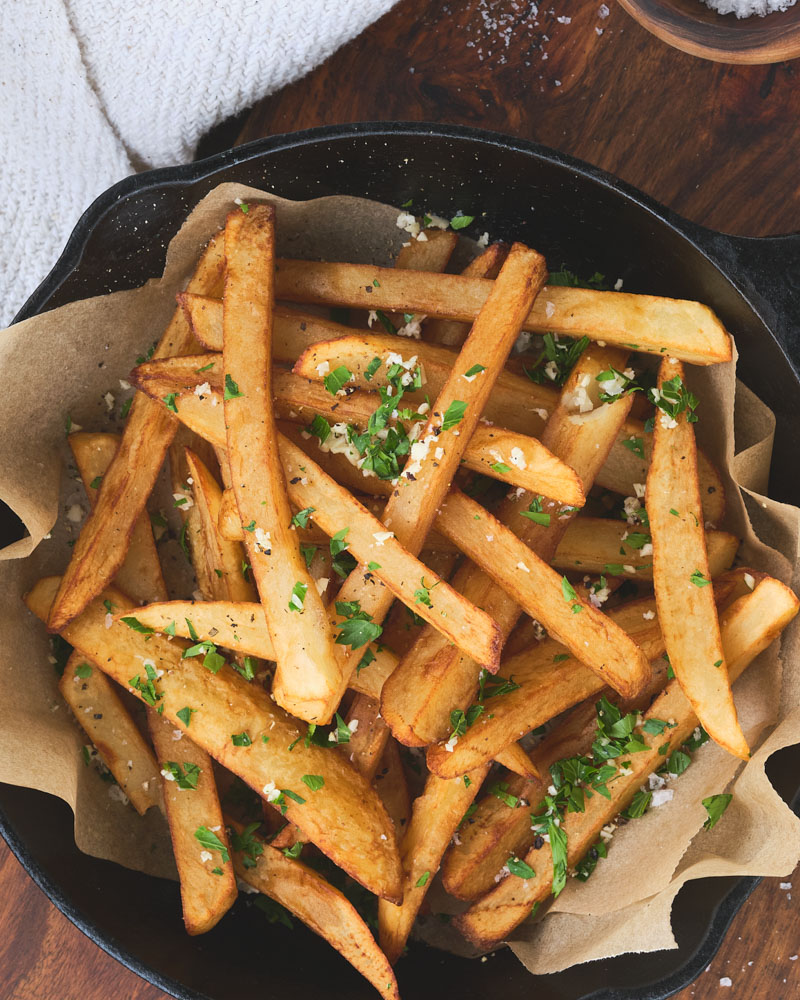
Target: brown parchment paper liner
<point x="66" y="361"/>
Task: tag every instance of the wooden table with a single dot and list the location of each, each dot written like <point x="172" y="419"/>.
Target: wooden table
<point x="717" y="143"/>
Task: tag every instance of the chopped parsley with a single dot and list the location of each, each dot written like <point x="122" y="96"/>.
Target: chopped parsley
<point x="185" y="715"/>
<point x="83" y="670"/>
<point x="557" y="360"/>
<point x="634" y="444"/>
<point x="342" y="562"/>
<point x="698" y="579"/>
<point x="137" y="626"/>
<point x="501" y="468"/>
<point x="298" y="596"/>
<point x="715" y="806"/>
<point x="372" y="368"/>
<point x="453" y="414"/>
<point x="211" y="842"/>
<point x="185" y="777"/>
<point x="95" y="483"/>
<point x="338" y="378"/>
<point x="534" y="512"/>
<point x="169" y="401"/>
<point x="423" y="880"/>
<point x="313" y="781"/>
<point x="520" y="868"/>
<point x="241" y="740"/>
<point x="461" y="221"/>
<point x="474" y="370"/>
<point x="568" y="592"/>
<point x="358" y="628"/>
<point x="231" y="388"/>
<point x="248" y="844"/>
<point x="300" y="519"/>
<point x="674" y="398"/>
<point x="500" y="791"/>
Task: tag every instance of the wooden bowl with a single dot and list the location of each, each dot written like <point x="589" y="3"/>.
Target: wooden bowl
<point x="697" y="29"/>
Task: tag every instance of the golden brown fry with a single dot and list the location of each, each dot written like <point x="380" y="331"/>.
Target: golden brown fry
<point x="230" y="525"/>
<point x="306" y="670"/>
<point x="681" y="574"/>
<point x="108" y="724"/>
<point x="682" y="329"/>
<point x="390" y="783"/>
<point x="432" y="253"/>
<point x="451" y="332"/>
<point x="748" y="627"/>
<point x="514" y="758"/>
<point x="140" y="574"/>
<point x="103" y="542"/>
<point x="370" y="734"/>
<point x="593" y="544"/>
<point x="435" y="817"/>
<point x="208" y="885"/>
<point x="320" y="906"/>
<point x="242" y="628"/>
<point x="345" y="820"/>
<point x="433" y="679"/>
<point x="509" y="456"/>
<point x="588" y="634"/>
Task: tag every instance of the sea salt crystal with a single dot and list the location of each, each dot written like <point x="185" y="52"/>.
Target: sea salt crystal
<point x="747" y="8"/>
<point x="726" y="981"/>
<point x="660" y="796"/>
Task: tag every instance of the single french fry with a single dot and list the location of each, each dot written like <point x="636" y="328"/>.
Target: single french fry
<point x="208" y="885"/>
<point x="242" y="628"/>
<point x="370" y="734"/>
<point x="511" y="457"/>
<point x="322" y="908"/>
<point x="588" y="634"/>
<point x="431" y="253"/>
<point x="108" y="724"/>
<point x="550" y="682"/>
<point x="345" y="820"/>
<point x="435" y="817"/>
<point x="140" y="574"/>
<point x="390" y="783"/>
<point x="748" y="626"/>
<point x="596" y="544"/>
<point x="681" y="573"/>
<point x="450" y="332"/>
<point x="230" y="525"/>
<point x="306" y="670"/>
<point x="433" y="679"/>
<point x="683" y="329"/>
<point x="223" y="558"/>
<point x="517" y="761"/>
<point x="101" y="547"/>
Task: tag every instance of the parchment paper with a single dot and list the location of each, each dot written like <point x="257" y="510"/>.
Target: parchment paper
<point x="65" y="362"/>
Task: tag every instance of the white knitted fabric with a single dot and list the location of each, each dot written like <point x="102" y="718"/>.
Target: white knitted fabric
<point x="92" y="90"/>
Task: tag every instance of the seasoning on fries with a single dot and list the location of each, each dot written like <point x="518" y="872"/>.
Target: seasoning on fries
<point x="369" y="507"/>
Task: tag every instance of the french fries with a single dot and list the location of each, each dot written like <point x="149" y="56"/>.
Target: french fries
<point x="433" y="679"/>
<point x="434" y="817"/>
<point x="103" y="542"/>
<point x="304" y="452"/>
<point x="681" y="572"/>
<point x="345" y="820"/>
<point x="306" y="669"/>
<point x="604" y="545"/>
<point x="108" y="724"/>
<point x="527" y="462"/>
<point x="748" y="627"/>
<point x="587" y="633"/>
<point x="681" y="329"/>
<point x="208" y="888"/>
<point x="317" y="903"/>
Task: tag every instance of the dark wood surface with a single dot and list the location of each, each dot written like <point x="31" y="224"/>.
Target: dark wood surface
<point x="717" y="143"/>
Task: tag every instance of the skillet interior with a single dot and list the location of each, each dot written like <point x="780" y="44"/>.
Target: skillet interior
<point x="575" y="215"/>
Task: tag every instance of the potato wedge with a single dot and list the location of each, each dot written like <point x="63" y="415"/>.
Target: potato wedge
<point x="541" y="592"/>
<point x="435" y="817"/>
<point x="748" y="626"/>
<point x="508" y="456"/>
<point x="681" y="572"/>
<point x="108" y="724"/>
<point x="370" y="735"/>
<point x="433" y="679"/>
<point x="306" y="669"/>
<point x="208" y="886"/>
<point x="103" y="542"/>
<point x="686" y="330"/>
<point x="345" y="819"/>
<point x="321" y="907"/>
<point x="595" y="544"/>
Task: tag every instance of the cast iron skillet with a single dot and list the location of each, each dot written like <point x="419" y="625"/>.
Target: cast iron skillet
<point x="575" y="214"/>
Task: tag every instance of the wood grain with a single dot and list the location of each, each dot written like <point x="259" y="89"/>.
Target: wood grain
<point x="717" y="143"/>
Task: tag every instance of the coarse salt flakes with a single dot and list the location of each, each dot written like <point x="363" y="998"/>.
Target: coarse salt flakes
<point x="75" y="513"/>
<point x="382" y="536"/>
<point x="202" y="390"/>
<point x="639" y="489"/>
<point x="726" y="981"/>
<point x="549" y="309"/>
<point x="167" y="775"/>
<point x="109" y="400"/>
<point x="324" y="367"/>
<point x="523" y="567"/>
<point x="483" y="241"/>
<point x="660" y="796"/>
<point x="748" y="8"/>
<point x="322" y="583"/>
<point x="649" y="615"/>
<point x="352" y="725"/>
<point x="749" y="580"/>
<point x="109" y="620"/>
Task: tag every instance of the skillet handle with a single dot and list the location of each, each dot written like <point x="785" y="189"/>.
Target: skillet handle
<point x="767" y="270"/>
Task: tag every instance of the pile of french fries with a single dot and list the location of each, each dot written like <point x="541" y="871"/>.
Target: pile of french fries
<point x="512" y="561"/>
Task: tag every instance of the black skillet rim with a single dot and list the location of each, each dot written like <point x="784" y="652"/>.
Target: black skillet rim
<point x="727" y="908"/>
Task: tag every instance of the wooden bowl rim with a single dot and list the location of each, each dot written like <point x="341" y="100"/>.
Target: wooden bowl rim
<point x="769" y="50"/>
